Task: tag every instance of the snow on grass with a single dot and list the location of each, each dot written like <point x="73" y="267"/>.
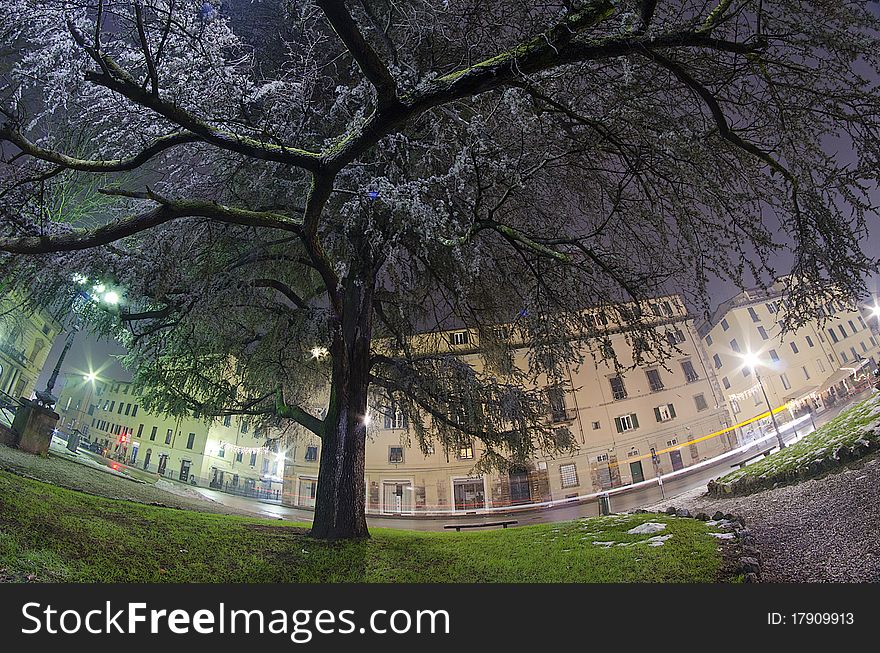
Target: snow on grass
<point x="859" y="422"/>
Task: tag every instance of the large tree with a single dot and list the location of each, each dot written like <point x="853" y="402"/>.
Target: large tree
<point x="297" y="188"/>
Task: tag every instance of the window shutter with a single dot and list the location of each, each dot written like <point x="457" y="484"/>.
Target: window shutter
<point x="671" y="410"/>
<point x="657" y="414"/>
<point x="388" y="420"/>
<point x="618" y="424"/>
<point x="635" y="421"/>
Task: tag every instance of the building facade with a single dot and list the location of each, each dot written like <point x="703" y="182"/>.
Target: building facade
<point x="807" y="369"/>
<point x="627" y="428"/>
<point x="229" y="453"/>
<point x="26" y="338"/>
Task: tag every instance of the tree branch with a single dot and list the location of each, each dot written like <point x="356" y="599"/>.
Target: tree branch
<point x="365" y="56"/>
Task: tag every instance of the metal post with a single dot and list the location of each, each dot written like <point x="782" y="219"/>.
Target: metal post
<point x="770" y="409"/>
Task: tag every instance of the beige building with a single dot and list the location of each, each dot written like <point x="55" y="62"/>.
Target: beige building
<point x="26" y="337"/>
<point x="810" y="368"/>
<point x="228" y="453"/>
<point x="617" y="422"/>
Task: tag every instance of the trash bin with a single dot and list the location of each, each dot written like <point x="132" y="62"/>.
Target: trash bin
<point x="604" y="504"/>
<point x="73" y="442"/>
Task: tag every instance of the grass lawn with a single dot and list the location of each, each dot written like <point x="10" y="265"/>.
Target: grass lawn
<point x="833" y="443"/>
<point x="49" y="533"/>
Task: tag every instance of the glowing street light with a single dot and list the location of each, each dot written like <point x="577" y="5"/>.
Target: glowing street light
<point x="111" y="298"/>
<point x="752" y="361"/>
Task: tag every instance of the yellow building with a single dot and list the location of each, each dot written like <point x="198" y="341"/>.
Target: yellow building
<point x="617" y="421"/>
<point x="26" y="337"/>
<point x="809" y="368"/>
<point x="227" y="453"/>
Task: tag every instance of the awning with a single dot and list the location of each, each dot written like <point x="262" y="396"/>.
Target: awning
<point x="802" y="393"/>
<point x="837" y="377"/>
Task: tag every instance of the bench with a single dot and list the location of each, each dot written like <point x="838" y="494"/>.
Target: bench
<point x="502" y="524"/>
<point x="745" y="462"/>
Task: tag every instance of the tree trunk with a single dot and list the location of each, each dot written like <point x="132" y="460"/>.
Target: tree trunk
<point x="340" y="504"/>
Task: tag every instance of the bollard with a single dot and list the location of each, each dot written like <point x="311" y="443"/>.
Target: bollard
<point x="604" y="504"/>
<point x="73" y="441"/>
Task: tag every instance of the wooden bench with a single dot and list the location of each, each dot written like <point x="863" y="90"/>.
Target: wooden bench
<point x="502" y="524"/>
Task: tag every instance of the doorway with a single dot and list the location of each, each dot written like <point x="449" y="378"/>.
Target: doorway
<point x="397" y="497"/>
<point x="308" y="489"/>
<point x="520" y="489"/>
<point x="163" y="460"/>
<point x="675" y="458"/>
<point x="147" y="458"/>
<point x="635" y="469"/>
<point x="184" y="470"/>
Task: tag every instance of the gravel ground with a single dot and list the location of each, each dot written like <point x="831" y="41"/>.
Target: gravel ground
<point x="75" y="476"/>
<point x="823" y="530"/>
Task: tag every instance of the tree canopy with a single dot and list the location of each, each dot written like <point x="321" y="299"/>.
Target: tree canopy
<point x="262" y="183"/>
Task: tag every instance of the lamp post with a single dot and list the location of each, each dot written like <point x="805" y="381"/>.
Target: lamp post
<point x="752" y="362"/>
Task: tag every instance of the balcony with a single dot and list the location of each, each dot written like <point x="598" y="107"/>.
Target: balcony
<point x="563" y="415"/>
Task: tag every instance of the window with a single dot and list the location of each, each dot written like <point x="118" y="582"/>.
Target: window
<point x="700" y="402"/>
<point x="394" y="418"/>
<point x="602" y="458"/>
<point x="708" y="341"/>
<point x="833" y="336"/>
<point x="785" y="382"/>
<point x="460" y="338"/>
<point x="794" y="347"/>
<point x="311" y="454"/>
<point x="771" y="308"/>
<point x="112" y="404"/>
<point x="806" y="373"/>
<point x="664" y="413"/>
<point x="153" y="433"/>
<point x="809" y="341"/>
<point x="747" y="371"/>
<point x="466" y="451"/>
<point x="140" y="430"/>
<point x="675" y="337"/>
<point x="873" y="342"/>
<point x="773" y="355"/>
<point x="227" y="421"/>
<point x="265" y="465"/>
<point x="221" y="452"/>
<point x="134" y="411"/>
<point x="734" y="406"/>
<point x="689" y="372"/>
<point x="244" y="426"/>
<point x="125" y="389"/>
<point x="864" y="347"/>
<point x="734" y="345"/>
<point x="238" y="455"/>
<point x="569" y="475"/>
<point x="753" y="315"/>
<point x="121" y="406"/>
<point x="127" y="408"/>
<point x="556" y="397"/>
<point x="253" y="458"/>
<point x="672" y="442"/>
<point x="726" y="383"/>
<point x="862" y="322"/>
<point x="190" y="440"/>
<point x="724" y="324"/>
<point x="842" y="330"/>
<point x="853" y="327"/>
<point x="843" y="357"/>
<point x="763" y="333"/>
<point x="395" y="455"/>
<point x="626" y="423"/>
<point x="667" y="309"/>
<point x="717" y="359"/>
<point x="820" y="365"/>
<point x="654" y="380"/>
<point x="855" y="354"/>
<point x="618" y="390"/>
<point x="596" y="426"/>
<point x="168" y="436"/>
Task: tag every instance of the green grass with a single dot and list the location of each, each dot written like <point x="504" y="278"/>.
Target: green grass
<point x="53" y="534"/>
<point x="795" y="462"/>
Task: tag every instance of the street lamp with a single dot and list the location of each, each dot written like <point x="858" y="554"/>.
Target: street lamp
<point x="752" y="361"/>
